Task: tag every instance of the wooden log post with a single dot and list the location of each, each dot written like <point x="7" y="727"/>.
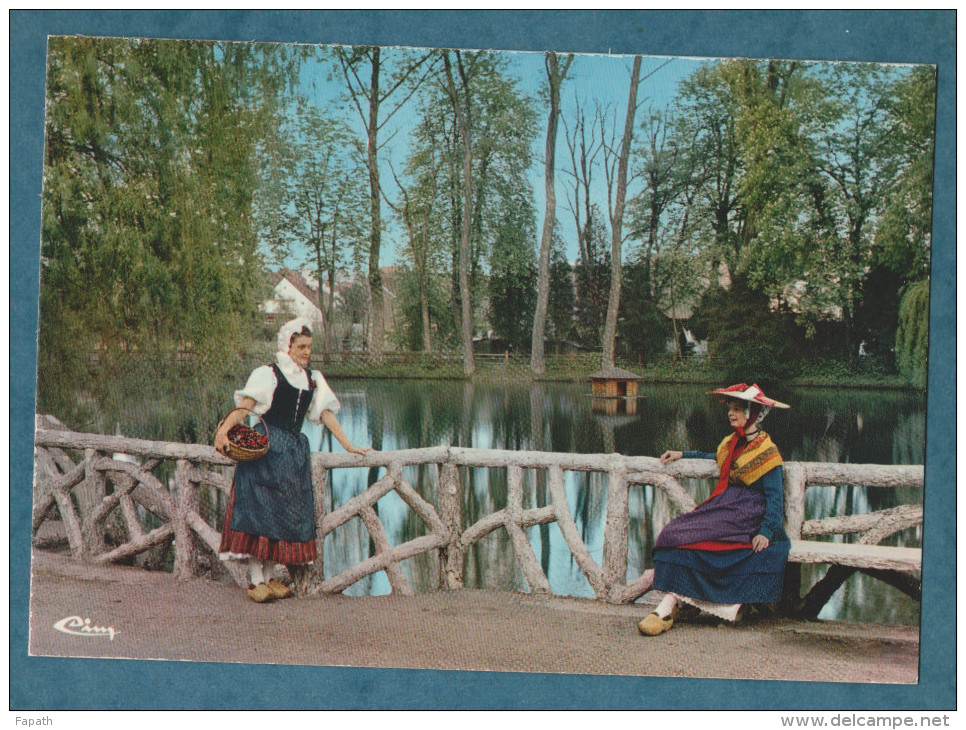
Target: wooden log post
<point x="568" y="528"/>
<point x="72" y="525"/>
<point x="186" y="501"/>
<point x="308" y="579"/>
<point x="89" y="493"/>
<point x="51" y="490"/>
<point x="397" y="581"/>
<point x="616" y="534"/>
<point x="532" y="572"/>
<point x="451" y="511"/>
<point x="794" y="493"/>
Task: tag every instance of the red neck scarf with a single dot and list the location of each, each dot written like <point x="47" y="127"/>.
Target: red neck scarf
<point x="739" y="440"/>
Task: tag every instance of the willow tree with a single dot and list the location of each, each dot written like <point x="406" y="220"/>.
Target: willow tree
<point x="148" y="240"/>
<point x="912" y="336"/>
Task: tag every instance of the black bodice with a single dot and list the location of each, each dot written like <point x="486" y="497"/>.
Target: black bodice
<point x="289" y="404"/>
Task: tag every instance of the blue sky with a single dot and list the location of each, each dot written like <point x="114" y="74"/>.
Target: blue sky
<point x="592" y="79"/>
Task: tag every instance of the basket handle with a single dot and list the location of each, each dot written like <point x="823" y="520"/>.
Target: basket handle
<point x="239" y="408"/>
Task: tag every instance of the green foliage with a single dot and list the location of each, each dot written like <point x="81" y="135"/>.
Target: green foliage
<point x="560" y="303"/>
<point x="746" y="340"/>
<point x="513" y="273"/>
<point x="912" y="337"/>
<point x="592" y="277"/>
<point x="410" y="335"/>
<point x="644" y="328"/>
<point x="148" y="244"/>
<point x="904" y="235"/>
<point x="501" y="123"/>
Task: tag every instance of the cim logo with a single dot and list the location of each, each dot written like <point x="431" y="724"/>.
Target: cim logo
<point x="77" y="626"/>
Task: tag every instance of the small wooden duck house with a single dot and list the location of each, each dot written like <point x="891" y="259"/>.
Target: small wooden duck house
<point x="612" y="388"/>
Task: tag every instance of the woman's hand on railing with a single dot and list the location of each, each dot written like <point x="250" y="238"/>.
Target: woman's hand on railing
<point x="361" y="451"/>
<point x="670" y="456"/>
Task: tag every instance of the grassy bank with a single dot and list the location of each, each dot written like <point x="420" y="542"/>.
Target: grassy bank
<point x="578" y="368"/>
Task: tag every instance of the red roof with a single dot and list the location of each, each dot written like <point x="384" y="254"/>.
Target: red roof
<point x="295" y="279"/>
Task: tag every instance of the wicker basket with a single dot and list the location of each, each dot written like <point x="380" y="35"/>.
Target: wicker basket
<point x="242" y="453"/>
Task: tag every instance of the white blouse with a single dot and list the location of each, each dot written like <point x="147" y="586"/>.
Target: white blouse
<point x="262" y="383"/>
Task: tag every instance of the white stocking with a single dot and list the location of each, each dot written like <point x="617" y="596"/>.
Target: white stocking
<point x="269" y="567"/>
<point x="255" y="570"/>
<point x="666" y="605"/>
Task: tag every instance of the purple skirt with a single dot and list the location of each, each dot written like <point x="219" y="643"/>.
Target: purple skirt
<point x="721" y="576"/>
<point x="733" y="516"/>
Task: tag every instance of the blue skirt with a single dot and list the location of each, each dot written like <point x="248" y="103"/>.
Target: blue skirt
<point x="273" y="495"/>
<point x="721" y="576"/>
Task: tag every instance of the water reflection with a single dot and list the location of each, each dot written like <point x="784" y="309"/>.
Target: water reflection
<point x="847" y="426"/>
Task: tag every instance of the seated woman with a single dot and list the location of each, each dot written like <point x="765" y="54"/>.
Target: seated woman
<point x="732" y="548"/>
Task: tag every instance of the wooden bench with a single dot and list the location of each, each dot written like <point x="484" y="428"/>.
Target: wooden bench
<point x="873" y="557"/>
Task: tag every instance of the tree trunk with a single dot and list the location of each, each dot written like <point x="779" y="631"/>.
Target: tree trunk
<point x="617" y="221"/>
<point x="554" y="78"/>
<point x="424" y="312"/>
<point x="466" y="310"/>
<point x="376" y="323"/>
<point x="321" y="296"/>
<point x="330" y="311"/>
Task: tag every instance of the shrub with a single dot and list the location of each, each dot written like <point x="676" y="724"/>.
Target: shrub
<point x="748" y="342"/>
<point x="912" y="336"/>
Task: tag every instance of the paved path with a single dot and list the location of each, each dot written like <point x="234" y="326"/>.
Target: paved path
<point x="156" y="617"/>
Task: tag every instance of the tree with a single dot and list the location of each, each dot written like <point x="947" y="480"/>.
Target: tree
<point x="902" y="239"/>
<point x="750" y="342"/>
<point x="644" y="328"/>
<point x="592" y="268"/>
<point x="460" y="100"/>
<point x="592" y="272"/>
<point x="368" y="97"/>
<point x="912" y="337"/>
<point x="327" y="192"/>
<point x="616" y="205"/>
<point x="850" y="136"/>
<point x="513" y="274"/>
<point x="148" y="240"/>
<point x="708" y="115"/>
<point x="903" y="236"/>
<point x="555" y="77"/>
<point x="662" y="184"/>
<point x="560" y="303"/>
<point x="417" y="214"/>
<point x="474" y="139"/>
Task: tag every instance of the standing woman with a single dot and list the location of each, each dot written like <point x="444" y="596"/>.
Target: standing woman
<point x="270" y="516"/>
<point x="732" y="548"/>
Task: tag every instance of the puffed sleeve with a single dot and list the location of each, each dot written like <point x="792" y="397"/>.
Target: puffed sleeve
<point x="773" y="485"/>
<point x="323" y="399"/>
<point x="260" y="388"/>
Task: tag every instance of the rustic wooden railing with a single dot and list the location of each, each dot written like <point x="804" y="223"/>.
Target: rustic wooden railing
<point x="109" y="485"/>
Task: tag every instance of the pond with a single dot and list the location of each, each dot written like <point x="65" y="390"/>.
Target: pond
<point x="856" y="426"/>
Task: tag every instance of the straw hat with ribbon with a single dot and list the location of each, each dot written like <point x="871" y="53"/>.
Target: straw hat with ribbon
<point x="758" y="407"/>
<point x="751" y="393"/>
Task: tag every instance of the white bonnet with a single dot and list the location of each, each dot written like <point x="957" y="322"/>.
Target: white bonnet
<point x="289" y="329"/>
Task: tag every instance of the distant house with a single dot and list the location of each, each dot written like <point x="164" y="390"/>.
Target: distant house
<point x="292" y="296"/>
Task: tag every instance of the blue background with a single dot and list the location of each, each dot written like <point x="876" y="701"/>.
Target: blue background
<point x="900" y="37"/>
